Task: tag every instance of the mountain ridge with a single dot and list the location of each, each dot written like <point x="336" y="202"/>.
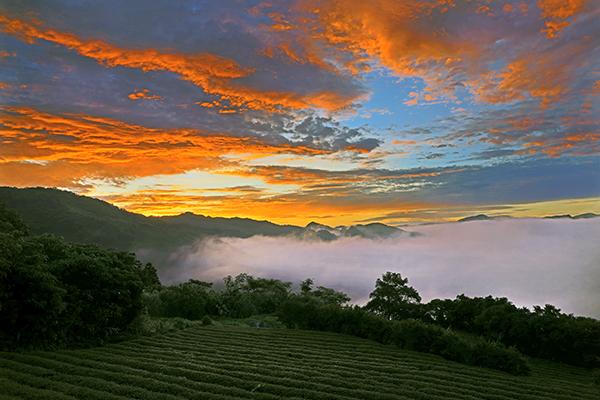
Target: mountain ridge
<point x="89" y="220"/>
<point x="485" y="217"/>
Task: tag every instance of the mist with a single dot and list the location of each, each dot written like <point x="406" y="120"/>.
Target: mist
<point x="530" y="261"/>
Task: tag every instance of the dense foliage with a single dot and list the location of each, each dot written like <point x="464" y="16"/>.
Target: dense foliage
<point x="53" y="292"/>
<point x="191" y="300"/>
<point x="544" y="332"/>
<point x="305" y="313"/>
<point x="240" y="297"/>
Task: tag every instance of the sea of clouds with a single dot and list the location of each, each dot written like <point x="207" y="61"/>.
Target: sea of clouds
<point x="530" y="261"/>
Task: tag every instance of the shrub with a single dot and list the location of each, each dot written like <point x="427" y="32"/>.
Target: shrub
<point x="245" y="295"/>
<point x="305" y="313"/>
<point x="191" y="300"/>
<point x="495" y="355"/>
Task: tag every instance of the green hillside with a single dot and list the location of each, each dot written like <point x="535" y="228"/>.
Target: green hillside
<point x="247" y="363"/>
<point x="82" y="219"/>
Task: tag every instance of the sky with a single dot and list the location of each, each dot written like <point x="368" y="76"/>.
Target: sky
<point x="292" y="111"/>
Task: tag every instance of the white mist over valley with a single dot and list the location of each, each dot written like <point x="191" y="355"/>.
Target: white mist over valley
<point x="530" y="261"/>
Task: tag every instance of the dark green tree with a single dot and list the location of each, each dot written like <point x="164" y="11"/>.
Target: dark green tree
<point x="53" y="292"/>
<point x="11" y="223"/>
<point x="31" y="298"/>
<point x="149" y="276"/>
<point x="306" y="286"/>
<point x="322" y="294"/>
<point x="191" y="300"/>
<point x="393" y="298"/>
<point x="245" y="295"/>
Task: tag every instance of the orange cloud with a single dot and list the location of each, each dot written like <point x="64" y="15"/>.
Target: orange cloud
<point x="580" y="143"/>
<point x="567" y="143"/>
<point x="520" y="78"/>
<point x="214" y="74"/>
<point x="38" y="148"/>
<point x="318" y="178"/>
<point x="556" y="12"/>
<point x="143" y="94"/>
<point x="300" y="50"/>
<point x="295" y="208"/>
<point x="399" y="36"/>
<point x="548" y="76"/>
<point x="386" y="30"/>
<point x="404" y="142"/>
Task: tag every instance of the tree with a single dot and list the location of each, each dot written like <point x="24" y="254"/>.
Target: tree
<point x="149" y="276"/>
<point x="54" y="292"/>
<point x="11" y="223"/>
<point x="393" y="298"/>
<point x="325" y="295"/>
<point x="330" y="296"/>
<point x="103" y="291"/>
<point x="31" y="298"/>
<point x="306" y="286"/>
<point x="191" y="300"/>
<point x="246" y="295"/>
<point x="322" y="294"/>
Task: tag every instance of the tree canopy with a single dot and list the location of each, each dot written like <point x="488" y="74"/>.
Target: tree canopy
<point x="54" y="292"/>
<point x="392" y="297"/>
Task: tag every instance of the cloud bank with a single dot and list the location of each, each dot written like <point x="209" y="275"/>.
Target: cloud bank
<point x="529" y="261"/>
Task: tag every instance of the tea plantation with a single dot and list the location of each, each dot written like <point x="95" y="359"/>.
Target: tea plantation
<point x="232" y="362"/>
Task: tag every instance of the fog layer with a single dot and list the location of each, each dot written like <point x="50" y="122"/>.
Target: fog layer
<point x="529" y="261"/>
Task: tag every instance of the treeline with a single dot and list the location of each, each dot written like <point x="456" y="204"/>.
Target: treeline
<point x="57" y="293"/>
<point x="543" y="332"/>
<point x="240" y="297"/>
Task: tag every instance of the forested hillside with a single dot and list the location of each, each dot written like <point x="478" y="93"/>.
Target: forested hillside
<point x="83" y="219"/>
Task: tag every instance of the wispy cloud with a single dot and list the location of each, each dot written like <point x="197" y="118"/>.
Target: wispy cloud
<point x="143" y="94"/>
<point x="212" y="73"/>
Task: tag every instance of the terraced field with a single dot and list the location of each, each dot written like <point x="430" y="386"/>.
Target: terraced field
<point x="246" y="363"/>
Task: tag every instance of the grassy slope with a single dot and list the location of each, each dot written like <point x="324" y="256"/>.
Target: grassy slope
<point x="236" y="362"/>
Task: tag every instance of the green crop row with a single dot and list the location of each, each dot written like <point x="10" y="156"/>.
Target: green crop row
<point x="222" y="363"/>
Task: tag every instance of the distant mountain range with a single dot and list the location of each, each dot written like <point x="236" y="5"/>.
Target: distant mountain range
<point x="484" y="217"/>
<point x="569" y="216"/>
<point x="372" y="231"/>
<point x="87" y="220"/>
<point x="478" y="217"/>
